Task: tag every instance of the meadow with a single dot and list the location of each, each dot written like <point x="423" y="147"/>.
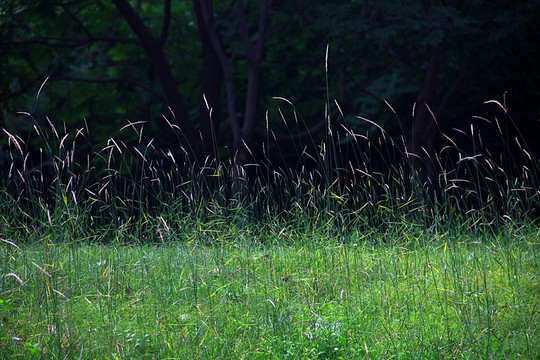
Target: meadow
<point x="427" y="296"/>
<point x="105" y="263"/>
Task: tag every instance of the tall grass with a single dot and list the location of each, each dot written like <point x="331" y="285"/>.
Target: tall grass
<point x="127" y="251"/>
<point x="348" y="181"/>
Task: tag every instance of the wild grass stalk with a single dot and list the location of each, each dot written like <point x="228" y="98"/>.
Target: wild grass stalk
<point x="350" y="180"/>
<point x="128" y="252"/>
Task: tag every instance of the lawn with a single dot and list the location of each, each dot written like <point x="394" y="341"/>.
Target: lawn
<point x="274" y="293"/>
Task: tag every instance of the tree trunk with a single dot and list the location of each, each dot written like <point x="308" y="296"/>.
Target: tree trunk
<point x="188" y="136"/>
<point x="211" y="76"/>
<point x="423" y="127"/>
<point x="254" y="58"/>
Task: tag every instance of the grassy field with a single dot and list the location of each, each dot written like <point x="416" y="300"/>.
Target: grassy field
<point x="372" y="296"/>
<point x="125" y="253"/>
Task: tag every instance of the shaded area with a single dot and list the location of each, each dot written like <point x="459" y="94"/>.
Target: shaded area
<point x="334" y="95"/>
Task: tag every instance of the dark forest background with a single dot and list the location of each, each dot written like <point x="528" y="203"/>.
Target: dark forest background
<point x="222" y="79"/>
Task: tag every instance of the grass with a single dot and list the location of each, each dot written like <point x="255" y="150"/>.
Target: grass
<point x="432" y="297"/>
<point x="123" y="254"/>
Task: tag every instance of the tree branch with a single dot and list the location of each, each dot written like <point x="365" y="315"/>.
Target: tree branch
<point x="166" y="22"/>
<point x="261" y="35"/>
<point x="77" y="21"/>
<point x="254" y="62"/>
<point x="206" y="10"/>
<point x="60" y="42"/>
<point x="128" y="80"/>
<point x="244" y="32"/>
<point x="63" y="41"/>
<point x="143" y="33"/>
<point x="154" y="49"/>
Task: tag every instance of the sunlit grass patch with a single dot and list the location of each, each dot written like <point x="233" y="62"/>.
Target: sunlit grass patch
<point x="317" y="299"/>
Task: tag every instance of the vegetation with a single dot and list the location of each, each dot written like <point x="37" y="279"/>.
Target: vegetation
<point x="300" y="295"/>
<point x="155" y="264"/>
<point x="110" y="61"/>
<point x="293" y="229"/>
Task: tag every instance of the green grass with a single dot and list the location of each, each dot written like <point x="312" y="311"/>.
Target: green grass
<point x="124" y="253"/>
<point x="432" y="297"/>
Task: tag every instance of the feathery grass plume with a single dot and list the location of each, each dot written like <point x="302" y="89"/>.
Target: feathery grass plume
<point x="344" y="181"/>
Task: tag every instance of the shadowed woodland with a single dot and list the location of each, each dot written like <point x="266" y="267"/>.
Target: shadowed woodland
<point x="325" y="93"/>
